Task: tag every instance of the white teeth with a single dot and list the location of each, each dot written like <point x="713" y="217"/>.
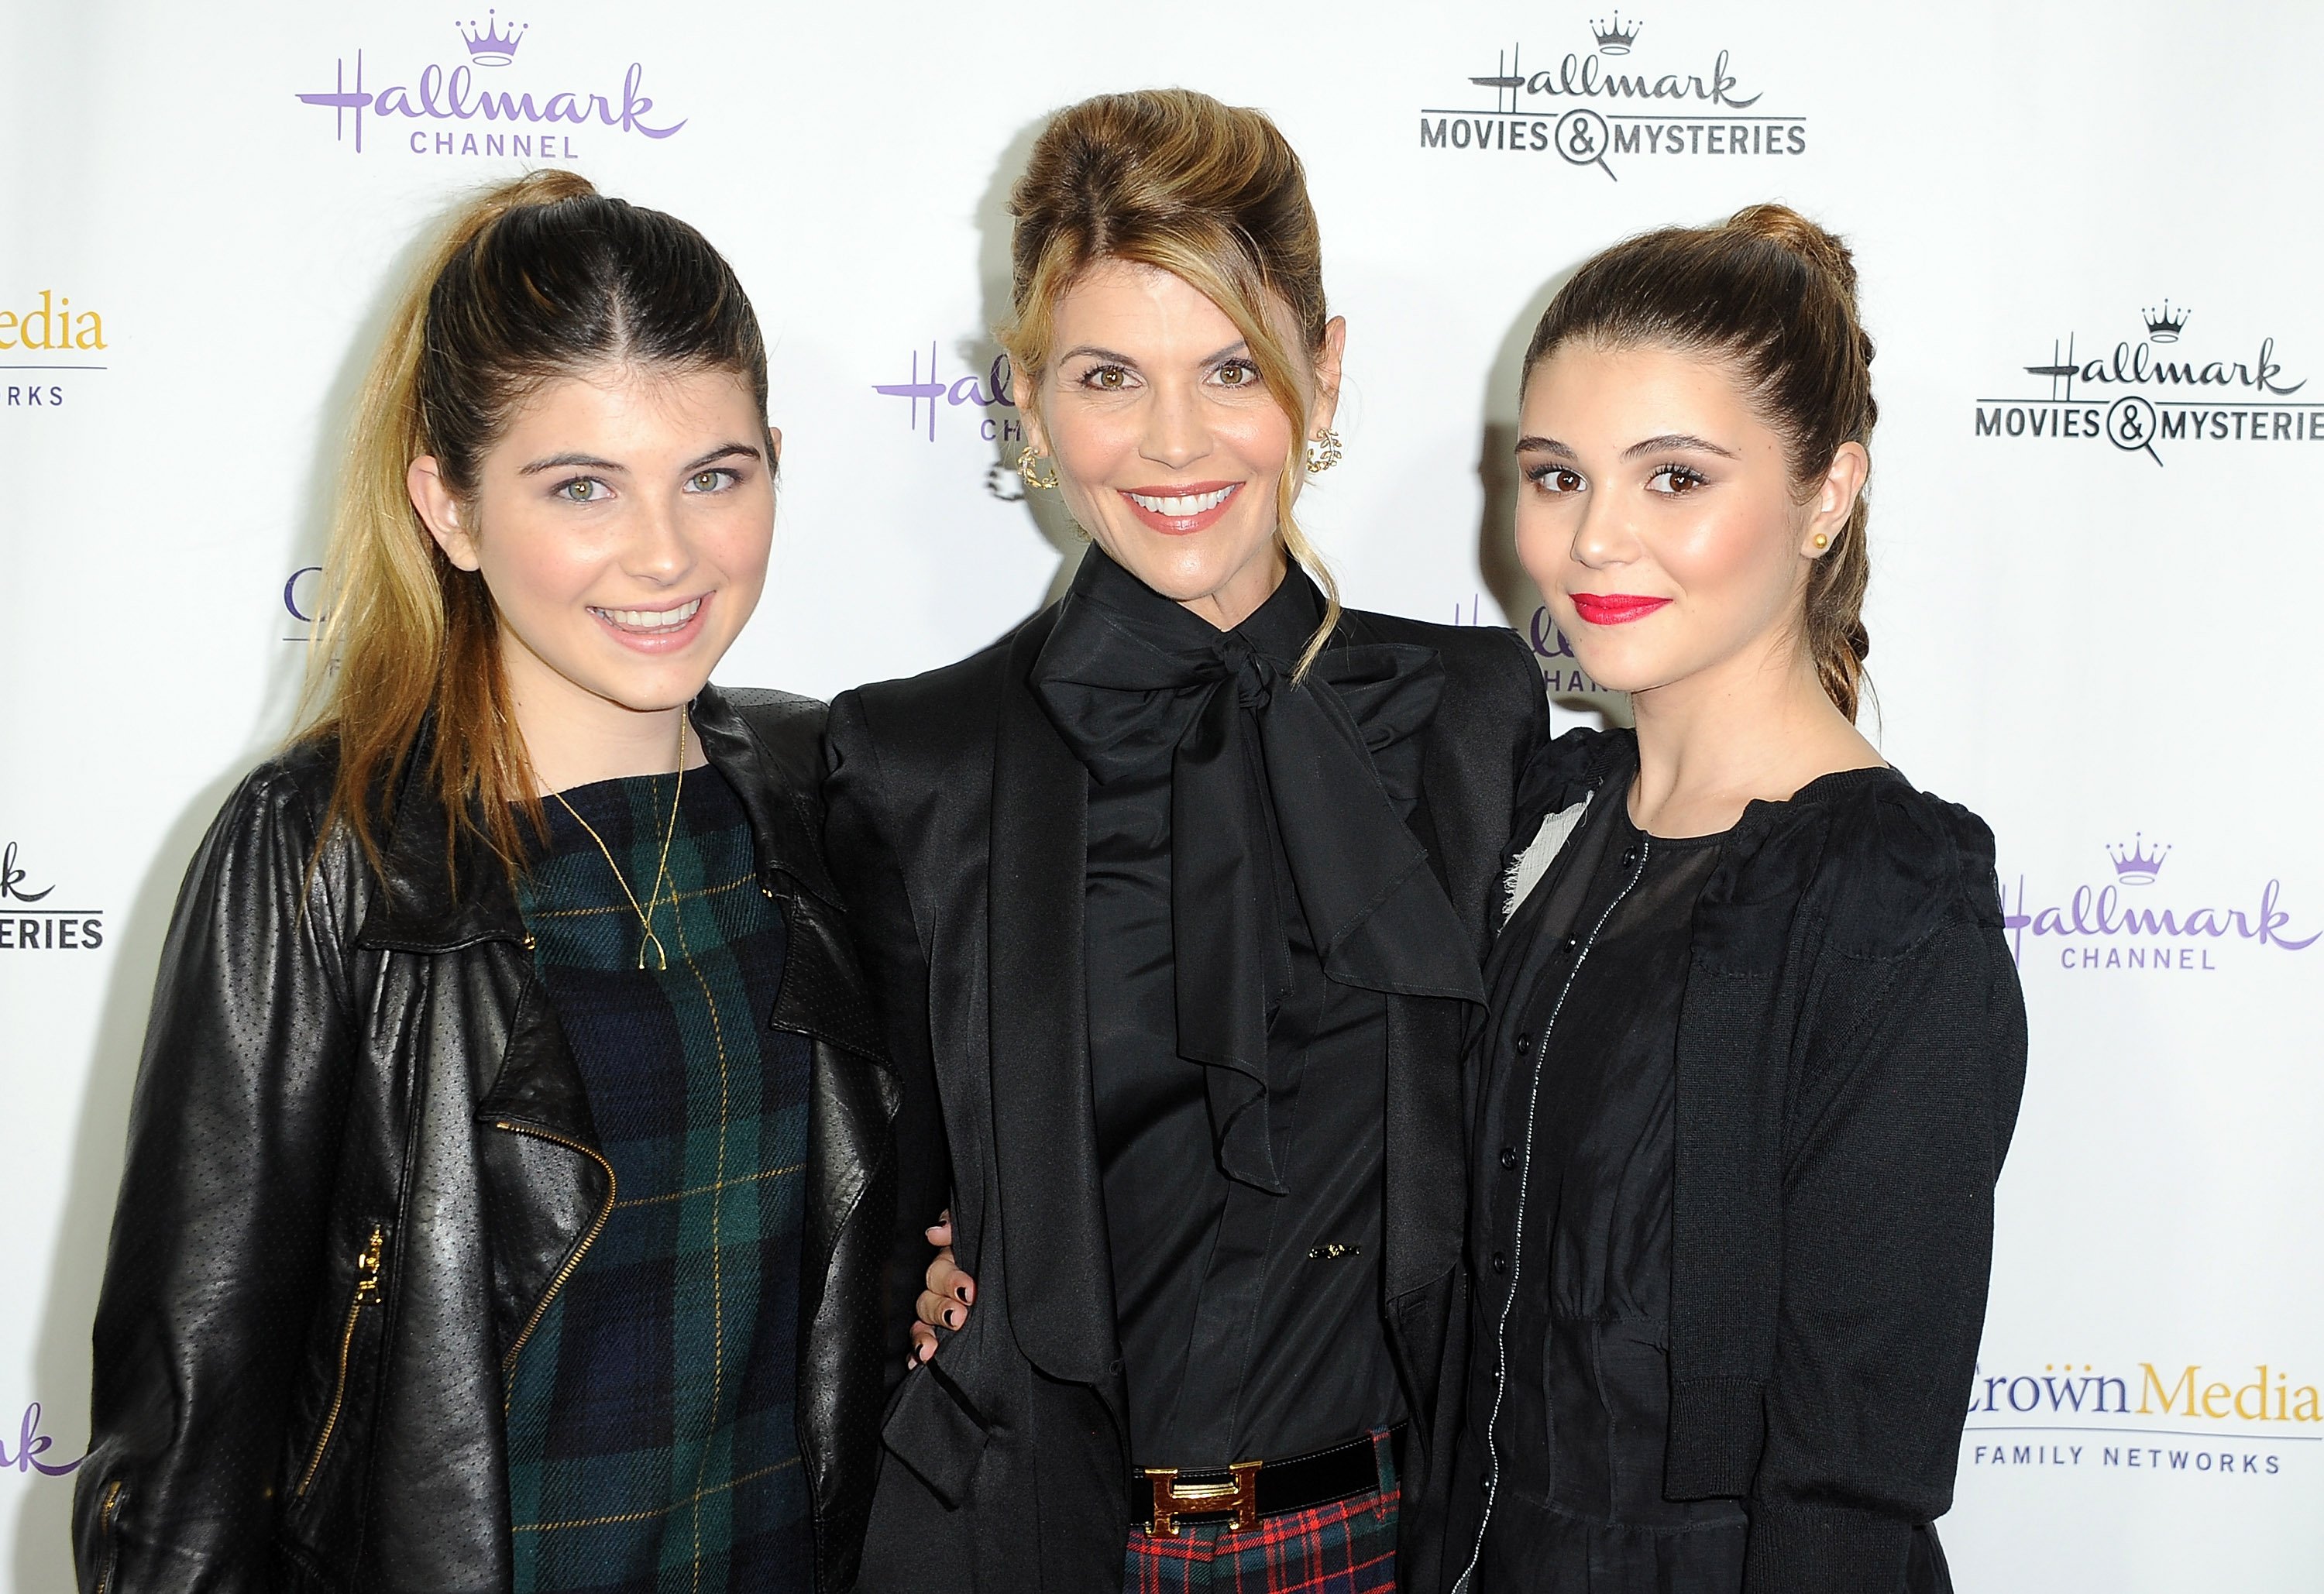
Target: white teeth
<point x="1180" y="506"/>
<point x="651" y="619"/>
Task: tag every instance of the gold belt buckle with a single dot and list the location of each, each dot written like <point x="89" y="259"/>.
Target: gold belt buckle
<point x="1201" y="1498"/>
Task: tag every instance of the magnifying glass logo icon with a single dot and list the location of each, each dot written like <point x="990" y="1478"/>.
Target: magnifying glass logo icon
<point x="1582" y="136"/>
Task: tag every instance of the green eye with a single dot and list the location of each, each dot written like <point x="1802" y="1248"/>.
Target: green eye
<point x="706" y="481"/>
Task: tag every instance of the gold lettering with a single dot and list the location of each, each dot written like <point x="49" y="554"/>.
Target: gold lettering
<point x="91" y="334"/>
<point x="2213" y="1395"/>
<point x="2303" y="1405"/>
<point x="2259" y="1389"/>
<point x="2153" y="1383"/>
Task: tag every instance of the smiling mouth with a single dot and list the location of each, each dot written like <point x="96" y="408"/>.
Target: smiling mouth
<point x="650" y="623"/>
<point x="1180" y="506"/>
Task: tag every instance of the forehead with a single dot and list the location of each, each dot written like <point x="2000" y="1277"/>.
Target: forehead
<point x="1586" y="392"/>
<point x="638" y="401"/>
<point x="1128" y="307"/>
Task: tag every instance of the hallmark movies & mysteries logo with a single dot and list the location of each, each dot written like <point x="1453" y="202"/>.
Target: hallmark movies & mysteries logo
<point x="1618" y="99"/>
<point x="461" y="113"/>
<point x="29" y="924"/>
<point x="2148" y="390"/>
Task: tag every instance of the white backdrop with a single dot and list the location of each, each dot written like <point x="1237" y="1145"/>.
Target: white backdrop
<point x="2096" y="553"/>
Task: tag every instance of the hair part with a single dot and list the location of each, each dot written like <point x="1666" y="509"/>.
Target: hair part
<point x="1210" y="193"/>
<point x="1771" y="295"/>
<point x="533" y="281"/>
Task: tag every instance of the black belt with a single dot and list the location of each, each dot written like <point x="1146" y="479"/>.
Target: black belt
<point x="1163" y="1497"/>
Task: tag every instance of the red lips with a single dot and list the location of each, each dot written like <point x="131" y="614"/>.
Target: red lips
<point x="1617" y="608"/>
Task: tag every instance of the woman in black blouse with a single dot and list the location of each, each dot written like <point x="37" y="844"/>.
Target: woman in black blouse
<point x="1177" y="896"/>
<point x="1757" y="1041"/>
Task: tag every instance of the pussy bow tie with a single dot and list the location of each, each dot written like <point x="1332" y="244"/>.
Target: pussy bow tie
<point x="1128" y="677"/>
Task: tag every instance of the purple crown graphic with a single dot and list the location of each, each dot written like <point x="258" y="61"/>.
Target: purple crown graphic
<point x="489" y="47"/>
<point x="2162" y="326"/>
<point x="2134" y="865"/>
<point x="1614" y="38"/>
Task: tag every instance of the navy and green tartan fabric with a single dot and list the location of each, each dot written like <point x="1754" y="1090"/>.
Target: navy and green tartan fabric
<point x="650" y="1436"/>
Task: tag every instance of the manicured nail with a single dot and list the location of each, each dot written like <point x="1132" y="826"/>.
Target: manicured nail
<point x="962" y="1291"/>
<point x="952" y="1318"/>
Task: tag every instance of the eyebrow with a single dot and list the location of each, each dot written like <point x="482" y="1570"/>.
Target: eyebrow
<point x="1239" y="345"/>
<point x="1668" y="441"/>
<point x="591" y="462"/>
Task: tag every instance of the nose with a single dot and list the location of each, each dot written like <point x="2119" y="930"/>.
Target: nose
<point x="658" y="550"/>
<point x="1603" y="539"/>
<point x="1176" y="431"/>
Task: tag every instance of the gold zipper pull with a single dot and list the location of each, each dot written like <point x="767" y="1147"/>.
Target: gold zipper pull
<point x="367" y="1264"/>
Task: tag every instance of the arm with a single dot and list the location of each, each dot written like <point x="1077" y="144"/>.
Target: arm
<point x="214" y="1274"/>
<point x="865" y="866"/>
<point x="1899" y="1127"/>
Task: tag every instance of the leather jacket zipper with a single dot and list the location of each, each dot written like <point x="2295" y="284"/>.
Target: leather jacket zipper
<point x="597" y="1227"/>
<point x="105" y="1534"/>
<point x="367" y="1263"/>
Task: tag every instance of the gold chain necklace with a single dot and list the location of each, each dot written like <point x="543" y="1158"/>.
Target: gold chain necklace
<point x="646" y="914"/>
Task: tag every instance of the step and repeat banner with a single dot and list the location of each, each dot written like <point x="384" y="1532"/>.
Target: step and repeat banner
<point x="2088" y="240"/>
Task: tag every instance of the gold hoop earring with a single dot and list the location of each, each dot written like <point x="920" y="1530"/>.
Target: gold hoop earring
<point x="1323" y="452"/>
<point x="1031" y="472"/>
<point x="1819" y="541"/>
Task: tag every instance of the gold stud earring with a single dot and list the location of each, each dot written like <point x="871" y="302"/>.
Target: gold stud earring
<point x="1821" y="540"/>
<point x="1032" y="472"/>
<point x="1323" y="452"/>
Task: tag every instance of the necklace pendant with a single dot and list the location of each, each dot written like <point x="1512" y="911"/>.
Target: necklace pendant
<point x="653" y="940"/>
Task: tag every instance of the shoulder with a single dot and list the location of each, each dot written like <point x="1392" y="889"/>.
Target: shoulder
<point x="935" y="716"/>
<point x="1488" y="659"/>
<point x="287" y="793"/>
<point x="1897" y="864"/>
<point x="787" y="728"/>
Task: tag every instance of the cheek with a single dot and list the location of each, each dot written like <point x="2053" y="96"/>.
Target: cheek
<point x="529" y="562"/>
<point x="1743" y="554"/>
<point x="1544" y="538"/>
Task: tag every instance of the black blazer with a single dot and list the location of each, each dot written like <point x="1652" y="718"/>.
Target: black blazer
<point x="342" y="1066"/>
<point x="958" y="834"/>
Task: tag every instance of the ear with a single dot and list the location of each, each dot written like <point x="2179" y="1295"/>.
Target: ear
<point x="1329" y="361"/>
<point x="440" y="512"/>
<point x="1835" y="498"/>
<point x="1022" y="394"/>
<point x="774" y="450"/>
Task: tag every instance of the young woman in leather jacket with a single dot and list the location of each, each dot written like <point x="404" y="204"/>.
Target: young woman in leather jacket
<point x="509" y="1169"/>
<point x="1756" y="1040"/>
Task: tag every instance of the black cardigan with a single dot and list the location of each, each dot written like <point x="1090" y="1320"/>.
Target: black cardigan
<point x="1851" y="1051"/>
<point x="957" y="830"/>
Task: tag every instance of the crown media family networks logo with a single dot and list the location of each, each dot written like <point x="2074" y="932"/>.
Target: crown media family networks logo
<point x="41" y="340"/>
<point x="2130" y="921"/>
<point x="460" y="112"/>
<point x="2171" y="1418"/>
<point x="1619" y="98"/>
<point x="2160" y="387"/>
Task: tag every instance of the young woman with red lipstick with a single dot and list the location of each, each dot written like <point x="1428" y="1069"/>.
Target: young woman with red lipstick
<point x="1755" y="1043"/>
<point x="473" y="1235"/>
<point x="1175" y="896"/>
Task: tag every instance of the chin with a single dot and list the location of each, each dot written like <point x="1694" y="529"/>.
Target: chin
<point x="1185" y="569"/>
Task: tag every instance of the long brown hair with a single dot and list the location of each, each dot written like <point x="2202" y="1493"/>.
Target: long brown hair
<point x="1772" y="295"/>
<point x="535" y="280"/>
<point x="1209" y="192"/>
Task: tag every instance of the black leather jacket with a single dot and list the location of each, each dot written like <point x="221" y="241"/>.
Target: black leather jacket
<point x="360" y="1163"/>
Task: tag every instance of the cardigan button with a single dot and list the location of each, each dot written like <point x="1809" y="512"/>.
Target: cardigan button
<point x="1630" y="859"/>
<point x="1500" y="1263"/>
<point x="1525" y="1044"/>
<point x="1570" y="945"/>
<point x="1508" y="1157"/>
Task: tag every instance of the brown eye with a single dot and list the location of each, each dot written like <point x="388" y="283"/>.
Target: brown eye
<point x="1237" y="373"/>
<point x="1109" y="377"/>
<point x="1556" y="479"/>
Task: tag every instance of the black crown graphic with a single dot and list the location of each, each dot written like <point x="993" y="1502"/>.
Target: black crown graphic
<point x="488" y="46"/>
<point x="2162" y="326"/>
<point x="2134" y="865"/>
<point x="1614" y="38"/>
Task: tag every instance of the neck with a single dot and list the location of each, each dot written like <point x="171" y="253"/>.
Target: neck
<point x="574" y="737"/>
<point x="1755" y="727"/>
<point x="1239" y="597"/>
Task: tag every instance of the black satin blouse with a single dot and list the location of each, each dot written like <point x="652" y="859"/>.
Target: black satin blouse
<point x="1238" y="947"/>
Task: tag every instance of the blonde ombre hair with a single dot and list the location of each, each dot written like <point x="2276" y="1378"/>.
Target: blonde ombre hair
<point x="1208" y="192"/>
<point x="537" y="279"/>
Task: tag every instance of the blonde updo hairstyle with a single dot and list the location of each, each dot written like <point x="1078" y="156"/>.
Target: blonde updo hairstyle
<point x="1210" y="193"/>
<point x="1772" y="296"/>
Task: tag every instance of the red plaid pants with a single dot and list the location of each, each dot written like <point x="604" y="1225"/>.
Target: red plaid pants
<point x="1347" y="1547"/>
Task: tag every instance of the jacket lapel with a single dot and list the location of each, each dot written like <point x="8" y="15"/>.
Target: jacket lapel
<point x="1058" y="1280"/>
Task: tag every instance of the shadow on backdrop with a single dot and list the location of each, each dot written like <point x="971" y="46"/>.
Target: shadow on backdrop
<point x="61" y="1357"/>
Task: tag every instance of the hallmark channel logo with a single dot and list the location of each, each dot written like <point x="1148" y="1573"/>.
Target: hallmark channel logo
<point x="1560" y="672"/>
<point x="2166" y="1417"/>
<point x="487" y="115"/>
<point x="32" y="1445"/>
<point x="1599" y="105"/>
<point x="2126" y="922"/>
<point x="986" y="396"/>
<point x="27" y="924"/>
<point x="42" y="337"/>
<point x="2147" y="391"/>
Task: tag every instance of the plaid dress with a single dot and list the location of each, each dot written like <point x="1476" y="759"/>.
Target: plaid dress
<point x="650" y="1437"/>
